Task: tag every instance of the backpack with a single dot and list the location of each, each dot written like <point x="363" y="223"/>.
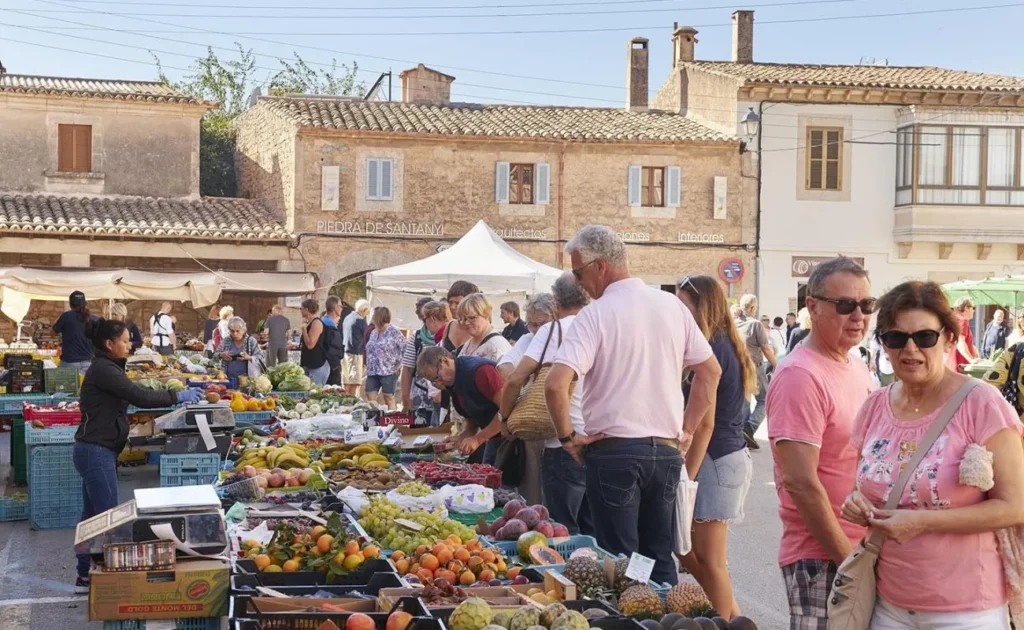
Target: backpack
<point x="334" y="343"/>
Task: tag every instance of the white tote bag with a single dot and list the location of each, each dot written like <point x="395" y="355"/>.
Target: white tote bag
<point x="686" y="498"/>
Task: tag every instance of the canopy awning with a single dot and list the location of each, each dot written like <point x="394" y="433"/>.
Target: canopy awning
<point x="1005" y="291"/>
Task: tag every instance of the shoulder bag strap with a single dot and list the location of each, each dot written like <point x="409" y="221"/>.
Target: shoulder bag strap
<point x="544" y="352"/>
<point x="874" y="540"/>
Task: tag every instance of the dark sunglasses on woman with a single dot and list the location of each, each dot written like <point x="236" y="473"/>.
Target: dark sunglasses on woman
<point x="897" y="340"/>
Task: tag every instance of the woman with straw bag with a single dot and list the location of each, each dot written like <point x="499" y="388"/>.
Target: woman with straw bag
<point x="562" y="478"/>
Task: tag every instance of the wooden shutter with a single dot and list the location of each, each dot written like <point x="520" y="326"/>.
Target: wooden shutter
<point x="542" y="184"/>
<point x="387" y="172"/>
<point x="633" y="185"/>
<point x="833" y="151"/>
<point x="673" y="186"/>
<point x="372" y="179"/>
<point x="815" y="157"/>
<point x="65" y="148"/>
<point x="83" y="148"/>
<point x="501" y="182"/>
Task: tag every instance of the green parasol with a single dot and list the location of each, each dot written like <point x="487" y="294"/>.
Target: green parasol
<point x="1000" y="291"/>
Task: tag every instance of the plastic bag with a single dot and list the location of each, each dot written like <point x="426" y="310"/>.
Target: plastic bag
<point x="469" y="499"/>
<point x="686" y="498"/>
<point x="430" y="503"/>
<point x="354" y="498"/>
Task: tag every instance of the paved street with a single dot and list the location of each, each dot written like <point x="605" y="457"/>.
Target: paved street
<point x="37" y="568"/>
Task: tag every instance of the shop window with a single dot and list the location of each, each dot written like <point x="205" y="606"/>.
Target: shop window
<point x="74" y="148"/>
<point x="824" y="158"/>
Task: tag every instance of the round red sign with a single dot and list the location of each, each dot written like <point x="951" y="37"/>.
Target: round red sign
<point x="731" y="270"/>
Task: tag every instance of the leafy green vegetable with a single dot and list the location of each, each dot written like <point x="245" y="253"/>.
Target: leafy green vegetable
<point x="282" y="372"/>
<point x="174" y="385"/>
<point x="150" y="383"/>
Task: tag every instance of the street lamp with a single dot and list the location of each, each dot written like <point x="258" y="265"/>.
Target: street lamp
<point x="751" y="122"/>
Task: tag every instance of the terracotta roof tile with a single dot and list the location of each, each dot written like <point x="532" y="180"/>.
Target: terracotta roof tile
<point x="148" y="91"/>
<point x="892" y="77"/>
<point x="504" y="121"/>
<point x="207" y="217"/>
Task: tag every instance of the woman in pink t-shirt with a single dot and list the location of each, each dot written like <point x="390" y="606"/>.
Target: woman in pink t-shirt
<point x="940" y="566"/>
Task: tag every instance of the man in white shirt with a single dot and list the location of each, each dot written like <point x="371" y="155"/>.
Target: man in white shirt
<point x="161" y="330"/>
<point x="632" y="344"/>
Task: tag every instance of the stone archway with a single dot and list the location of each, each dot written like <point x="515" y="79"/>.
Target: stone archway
<point x="361" y="261"/>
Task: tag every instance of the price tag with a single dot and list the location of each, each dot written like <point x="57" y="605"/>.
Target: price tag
<point x="413" y="525"/>
<point x="640" y="568"/>
<point x="393" y="441"/>
<point x="421" y="441"/>
<point x="161" y="624"/>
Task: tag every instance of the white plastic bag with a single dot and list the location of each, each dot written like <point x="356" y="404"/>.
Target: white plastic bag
<point x="469" y="499"/>
<point x="433" y="502"/>
<point x="353" y="498"/>
<point x="686" y="498"/>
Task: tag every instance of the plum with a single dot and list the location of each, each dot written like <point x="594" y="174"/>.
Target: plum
<point x="511" y="509"/>
<point x="529" y="516"/>
<point x="542" y="511"/>
<point x="560" y="531"/>
<point x="546" y="528"/>
<point x="513" y="530"/>
<point x="498" y="524"/>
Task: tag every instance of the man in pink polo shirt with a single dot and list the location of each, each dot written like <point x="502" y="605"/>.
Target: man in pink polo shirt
<point x="631" y="344"/>
<point x="812" y="402"/>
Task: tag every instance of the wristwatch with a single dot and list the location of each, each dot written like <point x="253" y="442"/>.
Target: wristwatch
<point x="568" y="438"/>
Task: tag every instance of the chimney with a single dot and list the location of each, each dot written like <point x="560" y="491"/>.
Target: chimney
<point x="743" y="37"/>
<point x="636" y="75"/>
<point x="684" y="40"/>
<point x="426" y="86"/>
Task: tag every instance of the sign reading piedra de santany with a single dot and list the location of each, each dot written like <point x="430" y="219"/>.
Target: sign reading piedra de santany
<point x="380" y="227"/>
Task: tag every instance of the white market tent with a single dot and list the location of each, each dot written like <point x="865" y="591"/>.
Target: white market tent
<point x="480" y="257"/>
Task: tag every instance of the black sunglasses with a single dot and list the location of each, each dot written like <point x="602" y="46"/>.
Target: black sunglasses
<point x="897" y="340"/>
<point x="845" y="306"/>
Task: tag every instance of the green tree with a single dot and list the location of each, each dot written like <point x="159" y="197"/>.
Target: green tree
<point x="229" y="83"/>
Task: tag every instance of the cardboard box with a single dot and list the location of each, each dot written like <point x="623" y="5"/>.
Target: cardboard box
<point x="195" y="588"/>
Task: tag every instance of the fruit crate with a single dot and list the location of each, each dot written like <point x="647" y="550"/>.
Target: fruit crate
<point x="14" y="404"/>
<point x="470" y="520"/>
<point x="564" y="546"/>
<point x="254" y="417"/>
<point x="189" y="470"/>
<point x="243" y="588"/>
<point x="312" y="620"/>
<point x="315" y="578"/>
<point x="55" y="417"/>
<point x="616" y="623"/>
<point x="19" y="462"/>
<point x="191" y="623"/>
<point x="49" y="435"/>
<point x="54" y="487"/>
<point x="12" y="509"/>
<point x="62" y="380"/>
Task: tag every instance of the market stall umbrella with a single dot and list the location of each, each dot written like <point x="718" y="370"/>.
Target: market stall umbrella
<point x="1000" y="291"/>
<point x="116" y="284"/>
<point x="480" y="257"/>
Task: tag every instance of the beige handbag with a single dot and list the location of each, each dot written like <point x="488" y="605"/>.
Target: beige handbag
<point x="530" y="419"/>
<point x="852" y="601"/>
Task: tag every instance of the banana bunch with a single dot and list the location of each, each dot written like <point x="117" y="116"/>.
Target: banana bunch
<point x="268" y="457"/>
<point x="362" y="456"/>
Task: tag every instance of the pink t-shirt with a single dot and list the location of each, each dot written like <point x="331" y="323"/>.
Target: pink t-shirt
<point x="917" y="574"/>
<point x="632" y="345"/>
<point x="814" y="399"/>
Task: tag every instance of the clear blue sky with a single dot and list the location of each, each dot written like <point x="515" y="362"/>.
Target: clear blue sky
<point x="980" y="40"/>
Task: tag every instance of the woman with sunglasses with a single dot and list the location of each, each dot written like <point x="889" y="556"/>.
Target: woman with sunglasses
<point x="940" y="564"/>
<point x="721" y="465"/>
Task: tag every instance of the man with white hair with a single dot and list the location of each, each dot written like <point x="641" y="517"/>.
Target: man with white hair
<point x="353" y="331"/>
<point x="631" y="344"/>
<point x="760" y="349"/>
<point x="161" y="330"/>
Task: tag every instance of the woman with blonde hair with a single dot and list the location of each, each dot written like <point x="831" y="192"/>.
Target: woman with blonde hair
<point x="474" y="315"/>
<point x="119" y="313"/>
<point x="383" y="357"/>
<point x="803" y="320"/>
<point x="222" y="331"/>
<point x="718" y="459"/>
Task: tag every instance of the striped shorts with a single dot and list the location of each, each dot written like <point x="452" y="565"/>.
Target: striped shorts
<point x="808" y="583"/>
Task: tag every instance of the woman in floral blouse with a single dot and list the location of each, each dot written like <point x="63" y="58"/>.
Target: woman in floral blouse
<point x="383" y="357"/>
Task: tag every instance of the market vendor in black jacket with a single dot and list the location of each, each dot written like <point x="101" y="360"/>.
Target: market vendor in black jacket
<point x="475" y="387"/>
<point x="106" y="393"/>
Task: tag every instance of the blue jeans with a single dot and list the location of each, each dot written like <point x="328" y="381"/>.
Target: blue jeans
<point x="491" y="449"/>
<point x="756" y="417"/>
<point x="565" y="491"/>
<point x="81" y="366"/>
<point x="631" y="488"/>
<point x="98" y="467"/>
<point x="319" y="375"/>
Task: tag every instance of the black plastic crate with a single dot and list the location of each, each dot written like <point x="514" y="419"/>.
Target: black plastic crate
<point x="312" y="620"/>
<point x="417" y="623"/>
<point x="580" y="605"/>
<point x="616" y="623"/>
<point x="243" y="587"/>
<point x="21" y="361"/>
<point x="316" y="578"/>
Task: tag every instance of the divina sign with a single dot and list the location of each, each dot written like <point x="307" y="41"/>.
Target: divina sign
<point x="379" y="227"/>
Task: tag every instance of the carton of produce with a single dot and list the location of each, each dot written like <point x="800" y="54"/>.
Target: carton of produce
<point x="194" y="588"/>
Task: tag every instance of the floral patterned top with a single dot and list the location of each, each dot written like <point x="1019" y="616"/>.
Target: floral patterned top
<point x="384" y="352"/>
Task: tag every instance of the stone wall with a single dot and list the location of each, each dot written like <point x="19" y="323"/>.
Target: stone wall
<point x="265" y="160"/>
<point x="179" y="264"/>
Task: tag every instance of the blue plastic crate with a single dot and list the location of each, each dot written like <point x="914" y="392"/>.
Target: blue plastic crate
<point x="192" y="623"/>
<point x="13" y="509"/>
<point x="188" y="470"/>
<point x="14" y="404"/>
<point x="564" y="546"/>
<point x="292" y="395"/>
<point x="50" y="435"/>
<point x="54" y="487"/>
<point x="153" y="458"/>
<point x="254" y="417"/>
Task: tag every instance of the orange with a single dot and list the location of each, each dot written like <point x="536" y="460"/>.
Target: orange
<point x="369" y="551"/>
<point x="487" y="575"/>
<point x="317" y="531"/>
<point x="445" y="556"/>
<point x="415" y="568"/>
<point x="351" y="547"/>
<point x="438" y="548"/>
<point x="290" y="566"/>
<point x="467" y="578"/>
<point x="323" y="543"/>
<point x="339" y="559"/>
<point x="445" y="574"/>
<point x="424" y="575"/>
<point x="456" y="566"/>
<point x="513" y="573"/>
<point x="402" y="566"/>
<point x="352" y="562"/>
<point x="262" y="561"/>
<point x="422" y="549"/>
<point x="475" y="564"/>
<point x="398" y="555"/>
<point x="501" y="565"/>
<point x="273" y="569"/>
<point x="474" y="545"/>
<point x="429" y="561"/>
<point x="455" y="540"/>
<point x="462" y="555"/>
<point x="487" y="555"/>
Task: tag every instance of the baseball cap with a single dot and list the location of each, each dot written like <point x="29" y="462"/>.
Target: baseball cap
<point x="77" y="299"/>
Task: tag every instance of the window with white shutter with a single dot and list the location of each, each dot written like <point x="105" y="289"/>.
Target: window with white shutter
<point x="673" y="186"/>
<point x="501" y="174"/>
<point x="380" y="184"/>
<point x="633" y="185"/>
<point x="542" y="184"/>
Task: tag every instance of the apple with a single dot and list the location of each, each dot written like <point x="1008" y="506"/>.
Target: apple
<point x="249" y="471"/>
<point x="275" y="481"/>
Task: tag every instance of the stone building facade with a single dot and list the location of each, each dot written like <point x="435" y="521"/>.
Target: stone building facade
<point x="366" y="185"/>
